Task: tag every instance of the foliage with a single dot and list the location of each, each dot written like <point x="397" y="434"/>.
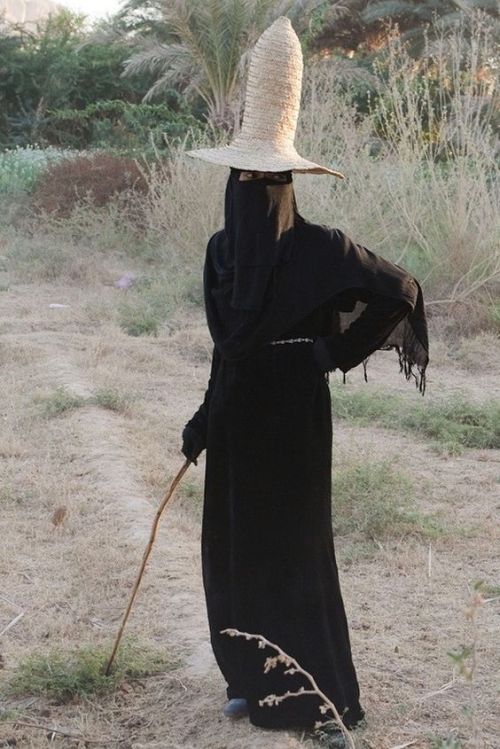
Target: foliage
<point x="63" y="676"/>
<point x="202" y="45"/>
<point x="435" y="106"/>
<point x="431" y="181"/>
<point x="451" y="742"/>
<point x="121" y="125"/>
<point x="364" y="25"/>
<point x="59" y="402"/>
<point x="374" y="500"/>
<point x="149" y="304"/>
<point x="57" y="67"/>
<point x="21" y="167"/>
<point x="111" y="399"/>
<point x="453" y="422"/>
<point x="97" y="177"/>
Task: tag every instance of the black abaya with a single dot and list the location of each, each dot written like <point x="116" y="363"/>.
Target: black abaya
<point x="267" y="546"/>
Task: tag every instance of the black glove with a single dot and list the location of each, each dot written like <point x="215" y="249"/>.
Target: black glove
<point x="192" y="444"/>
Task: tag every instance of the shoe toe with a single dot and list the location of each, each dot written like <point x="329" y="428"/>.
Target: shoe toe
<point x="236" y="708"/>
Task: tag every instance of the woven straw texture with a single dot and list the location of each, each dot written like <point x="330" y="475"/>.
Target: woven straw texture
<point x="265" y="142"/>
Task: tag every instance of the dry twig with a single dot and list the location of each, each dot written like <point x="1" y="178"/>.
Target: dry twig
<point x="59" y="732"/>
<point x="292" y="667"/>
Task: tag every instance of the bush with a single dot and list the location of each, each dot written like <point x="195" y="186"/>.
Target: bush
<point x="111" y="399"/>
<point x="98" y="178"/>
<point x="374" y="500"/>
<point x="59" y="402"/>
<point x="122" y="125"/>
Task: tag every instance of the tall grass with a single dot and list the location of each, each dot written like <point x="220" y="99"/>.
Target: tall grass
<point x="421" y="172"/>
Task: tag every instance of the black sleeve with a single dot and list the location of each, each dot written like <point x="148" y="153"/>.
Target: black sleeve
<point x="364" y="335"/>
<point x="194" y="434"/>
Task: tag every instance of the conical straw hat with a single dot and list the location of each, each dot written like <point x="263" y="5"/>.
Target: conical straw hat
<point x="265" y="142"/>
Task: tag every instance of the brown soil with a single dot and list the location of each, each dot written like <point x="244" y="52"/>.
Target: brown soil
<point x="104" y="472"/>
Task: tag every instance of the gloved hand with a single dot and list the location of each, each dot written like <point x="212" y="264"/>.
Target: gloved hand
<point x="192" y="444"/>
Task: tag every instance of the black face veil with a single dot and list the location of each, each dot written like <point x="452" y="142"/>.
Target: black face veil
<point x="259" y="235"/>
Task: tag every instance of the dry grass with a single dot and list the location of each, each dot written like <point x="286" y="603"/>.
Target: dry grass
<point x="109" y="467"/>
<point x="108" y="461"/>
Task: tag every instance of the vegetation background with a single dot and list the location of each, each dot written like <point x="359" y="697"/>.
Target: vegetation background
<point x="103" y="227"/>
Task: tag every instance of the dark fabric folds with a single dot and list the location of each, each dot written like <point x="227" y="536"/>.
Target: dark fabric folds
<point x="309" y="265"/>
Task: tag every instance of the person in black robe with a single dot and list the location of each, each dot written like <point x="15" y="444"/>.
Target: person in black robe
<point x="287" y="301"/>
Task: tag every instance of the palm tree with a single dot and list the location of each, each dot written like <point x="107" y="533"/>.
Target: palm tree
<point x="363" y="23"/>
<point x="201" y="45"/>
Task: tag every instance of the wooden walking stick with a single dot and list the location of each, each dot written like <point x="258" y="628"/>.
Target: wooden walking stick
<point x="145" y="558"/>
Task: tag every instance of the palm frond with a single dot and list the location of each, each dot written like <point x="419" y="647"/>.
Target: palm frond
<point x="387" y="9"/>
<point x="156" y="57"/>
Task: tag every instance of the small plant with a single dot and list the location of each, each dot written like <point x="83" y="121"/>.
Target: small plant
<point x="448" y="743"/>
<point x="149" y="304"/>
<point x="136" y="321"/>
<point x="488" y="590"/>
<point x="8" y="715"/>
<point x="59" y="402"/>
<point x="464" y="657"/>
<point x="62" y="676"/>
<point x="374" y="500"/>
<point x="110" y="399"/>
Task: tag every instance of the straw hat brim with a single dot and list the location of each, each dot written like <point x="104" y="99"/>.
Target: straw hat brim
<point x="259" y="161"/>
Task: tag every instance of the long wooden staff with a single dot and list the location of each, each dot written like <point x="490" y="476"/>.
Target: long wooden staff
<point x="145" y="558"/>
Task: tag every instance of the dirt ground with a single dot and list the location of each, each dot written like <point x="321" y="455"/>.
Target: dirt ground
<point x="406" y="603"/>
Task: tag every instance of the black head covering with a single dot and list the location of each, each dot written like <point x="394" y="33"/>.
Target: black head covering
<point x="269" y="268"/>
<point x="258" y="235"/>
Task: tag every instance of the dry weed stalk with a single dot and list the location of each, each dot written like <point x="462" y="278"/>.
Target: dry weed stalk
<point x="292" y="667"/>
<point x="14" y="621"/>
<point x="465" y="657"/>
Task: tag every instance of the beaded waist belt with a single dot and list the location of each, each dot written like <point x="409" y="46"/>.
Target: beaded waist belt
<point x="292" y="340"/>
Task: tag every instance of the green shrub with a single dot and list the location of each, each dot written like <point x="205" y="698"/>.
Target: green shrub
<point x="452" y="422"/>
<point x="138" y="320"/>
<point x="63" y="675"/>
<point x="59" y="402"/>
<point x="110" y="399"/>
<point x="123" y="125"/>
<point x="374" y="500"/>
